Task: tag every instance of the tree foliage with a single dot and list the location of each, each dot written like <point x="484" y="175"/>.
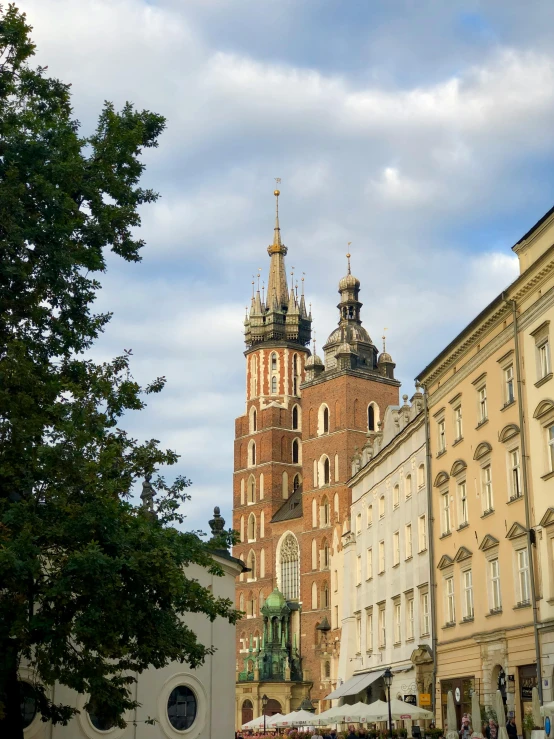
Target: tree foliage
<point x="92" y="589"/>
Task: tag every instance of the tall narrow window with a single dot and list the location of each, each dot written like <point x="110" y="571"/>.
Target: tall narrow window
<point x="467" y="586"/>
<point x="486" y="484"/>
<point x="544" y="359"/>
<point x="408" y="486"/>
<point x="509" y="395"/>
<point x="483" y="414"/>
<point x="494" y="579"/>
<point x="254" y="420"/>
<point x="369" y="563"/>
<point x="314" y="513"/>
<point x="262" y="567"/>
<point x="326" y="420"/>
<point x="550" y="442"/>
<point x="382" y="627"/>
<point x="252" y="449"/>
<point x="326" y="471"/>
<point x="369" y="516"/>
<point x="262" y="525"/>
<point x="462" y="503"/>
<point x="395" y="496"/>
<point x="324" y="512"/>
<point x="314" y="596"/>
<point x="358" y="570"/>
<point x="358" y="633"/>
<point x="446" y="522"/>
<point x="295" y="418"/>
<point x="358" y="524"/>
<point x="381" y="557"/>
<point x="422" y="533"/>
<point x="251" y="527"/>
<point x="251" y="564"/>
<point x="251" y="489"/>
<point x="515" y="473"/>
<point x="314" y="554"/>
<point x="410" y="618"/>
<point x="397" y="623"/>
<point x="369" y="631"/>
<point x="296" y="483"/>
<point x="295" y="374"/>
<point x="370" y="418"/>
<point x="274" y="362"/>
<point x="325" y="596"/>
<point x="335" y="581"/>
<point x="295" y="451"/>
<point x="458" y="422"/>
<point x="273" y="385"/>
<point x="382" y="506"/>
<point x="420" y="476"/>
<point x="290" y="571"/>
<point x="425" y="615"/>
<point x="523" y="575"/>
<point x="442" y="435"/>
<point x="396" y="548"/>
<point x="326" y="558"/>
<point x="450" y="603"/>
<point x="408" y="540"/>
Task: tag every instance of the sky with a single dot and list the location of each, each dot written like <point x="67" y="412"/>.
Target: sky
<point x="418" y="130"/>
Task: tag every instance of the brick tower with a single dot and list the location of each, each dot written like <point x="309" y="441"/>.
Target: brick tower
<point x="304" y="423"/>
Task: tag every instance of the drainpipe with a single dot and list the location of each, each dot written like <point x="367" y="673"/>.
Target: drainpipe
<point x="519" y="382"/>
<point x="430" y="544"/>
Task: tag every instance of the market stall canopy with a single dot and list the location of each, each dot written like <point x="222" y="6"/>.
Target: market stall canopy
<point x="355" y="684"/>
<point x="379" y="711"/>
<point x="296" y="718"/>
<point x="258" y="723"/>
<point x="342" y="714"/>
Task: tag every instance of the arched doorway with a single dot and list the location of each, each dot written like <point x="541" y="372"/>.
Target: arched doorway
<point x="247" y="711"/>
<point x="272" y="707"/>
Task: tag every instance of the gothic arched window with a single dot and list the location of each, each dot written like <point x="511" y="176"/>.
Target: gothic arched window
<point x="251" y="564"/>
<point x="274" y="385"/>
<point x="296" y="483"/>
<point x="295" y="418"/>
<point x="295" y="451"/>
<point x="274" y="362"/>
<point x="289" y="556"/>
<point x="370" y="418"/>
<point x="326" y="471"/>
<point x="251" y="527"/>
<point x="326" y="420"/>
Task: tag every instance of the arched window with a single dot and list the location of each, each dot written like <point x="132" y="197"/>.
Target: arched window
<point x="336" y="467"/>
<point x="295" y="419"/>
<point x="251" y="453"/>
<point x="289" y="555"/>
<point x="274" y="362"/>
<point x="285" y="484"/>
<point x="273" y="385"/>
<point x="251" y="527"/>
<point x="370" y="418"/>
<point x="408" y="486"/>
<point x="326" y="471"/>
<point x="242" y="529"/>
<point x="247" y="711"/>
<point x="314" y="513"/>
<point x="326" y="420"/>
<point x="262" y="564"/>
<point x="314" y="554"/>
<point x="251" y="489"/>
<point x="336" y="506"/>
<point x="325" y="596"/>
<point x="251" y="564"/>
<point x="242" y="500"/>
<point x="314" y="596"/>
<point x="421" y="476"/>
<point x="253" y="420"/>
<point x="262" y="525"/>
<point x="327" y="670"/>
<point x="324" y="518"/>
<point x="315" y="473"/>
<point x="325" y="557"/>
<point x="295" y="451"/>
<point x="262" y="486"/>
<point x="323" y="420"/>
<point x="296" y="483"/>
<point x="250" y="605"/>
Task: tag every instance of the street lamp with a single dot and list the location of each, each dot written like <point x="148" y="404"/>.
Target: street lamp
<point x="387" y="679"/>
<point x="265" y="700"/>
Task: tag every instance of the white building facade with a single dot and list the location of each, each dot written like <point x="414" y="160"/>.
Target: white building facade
<point x="382" y="568"/>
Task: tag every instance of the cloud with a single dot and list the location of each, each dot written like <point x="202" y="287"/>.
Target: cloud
<point x="421" y="134"/>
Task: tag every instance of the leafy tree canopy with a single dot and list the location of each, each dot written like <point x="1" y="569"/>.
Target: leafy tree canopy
<point x="92" y="589"/>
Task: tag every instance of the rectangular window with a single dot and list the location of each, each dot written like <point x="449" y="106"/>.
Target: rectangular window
<point x="358" y="633"/>
<point x="450" y="603"/>
<point x="335" y="581"/>
<point x="544" y="359"/>
<point x="408" y="540"/>
<point x="358" y="524"/>
<point x="486" y="487"/>
<point x="382" y="506"/>
<point x="369" y="564"/>
<point x="483" y="404"/>
<point x="442" y="435"/>
<point x="446" y="523"/>
<point x="550" y="441"/>
<point x="410" y="618"/>
<point x="509" y="395"/>
<point x="422" y="533"/>
<point x="515" y="474"/>
<point x="382" y="627"/>
<point x="369" y="515"/>
<point x="358" y="570"/>
<point x="336" y="616"/>
<point x="369" y="631"/>
<point x="381" y="557"/>
<point x="458" y="422"/>
<point x="523" y="575"/>
<point x="396" y="548"/>
<point x="494" y="577"/>
<point x="467" y="585"/>
<point x="425" y="616"/>
<point x="397" y="623"/>
<point x="408" y="486"/>
<point x="396" y="496"/>
<point x="462" y="503"/>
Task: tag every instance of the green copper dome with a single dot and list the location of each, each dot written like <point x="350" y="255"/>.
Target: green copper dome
<point x="276" y="599"/>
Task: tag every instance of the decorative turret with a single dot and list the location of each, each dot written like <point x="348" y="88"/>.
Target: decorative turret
<point x="385" y="364"/>
<point x="282" y="317"/>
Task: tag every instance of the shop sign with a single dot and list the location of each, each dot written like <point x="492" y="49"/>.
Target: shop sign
<point x="527" y="684"/>
<point x="425" y="699"/>
<point x="412" y="699"/>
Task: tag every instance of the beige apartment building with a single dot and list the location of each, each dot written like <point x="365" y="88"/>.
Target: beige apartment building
<point x="490" y="423"/>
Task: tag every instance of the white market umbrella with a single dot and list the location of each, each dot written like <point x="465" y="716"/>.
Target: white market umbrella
<point x="452" y="729"/>
<point x="376" y="711"/>
<point x="258" y="723"/>
<point x="401" y="709"/>
<point x="476" y="716"/>
<point x="343" y="714"/>
<point x="296" y="718"/>
<point x="500" y="716"/>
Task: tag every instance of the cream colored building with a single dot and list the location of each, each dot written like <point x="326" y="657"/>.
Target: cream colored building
<point x="536" y="254"/>
<point x="488" y="454"/>
<point x="380" y="573"/>
<point x="198" y="704"/>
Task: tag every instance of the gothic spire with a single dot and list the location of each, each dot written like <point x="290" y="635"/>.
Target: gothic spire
<point x="277" y="284"/>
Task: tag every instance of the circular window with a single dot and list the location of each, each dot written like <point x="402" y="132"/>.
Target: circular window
<point x="28" y="703"/>
<point x="181" y="708"/>
<point x="100" y="722"/>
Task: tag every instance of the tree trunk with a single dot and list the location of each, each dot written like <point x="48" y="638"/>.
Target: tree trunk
<point x="11" y="725"/>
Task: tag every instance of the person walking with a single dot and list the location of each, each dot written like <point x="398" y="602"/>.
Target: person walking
<point x="511" y="728"/>
<point x="491" y="732"/>
<point x="465" y="731"/>
<point x="351" y="734"/>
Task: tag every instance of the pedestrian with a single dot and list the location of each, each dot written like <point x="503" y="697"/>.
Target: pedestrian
<point x="351" y="734"/>
<point x="511" y="728"/>
<point x="465" y="731"/>
<point x="491" y="732"/>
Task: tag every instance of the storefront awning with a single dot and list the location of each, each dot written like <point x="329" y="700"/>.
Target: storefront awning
<point x="355" y="685"/>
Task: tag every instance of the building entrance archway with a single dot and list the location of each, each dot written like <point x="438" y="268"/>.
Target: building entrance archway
<point x="247" y="711"/>
<point x="273" y="706"/>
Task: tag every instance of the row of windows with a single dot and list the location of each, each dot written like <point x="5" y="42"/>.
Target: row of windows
<point x="397" y="550"/>
<point x="296" y="419"/>
<point x="248" y="487"/>
<point x="494" y="590"/>
<point x="407" y="488"/>
<point x="295" y="452"/>
<point x="273" y="374"/>
<point x="403" y="623"/>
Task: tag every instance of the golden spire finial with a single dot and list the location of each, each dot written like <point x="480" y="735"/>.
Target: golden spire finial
<point x="303" y="275"/>
<point x="277" y="229"/>
<point x="348" y="255"/>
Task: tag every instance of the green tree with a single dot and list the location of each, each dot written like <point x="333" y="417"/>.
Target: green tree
<point x="92" y="589"/>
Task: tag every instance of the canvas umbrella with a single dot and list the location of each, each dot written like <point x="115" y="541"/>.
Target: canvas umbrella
<point x="343" y="714"/>
<point x="296" y="718"/>
<point x="258" y="723"/>
<point x="476" y="715"/>
<point x="500" y="716"/>
<point x="452" y="730"/>
<point x="401" y="709"/>
<point x="537" y="718"/>
<point x="376" y="711"/>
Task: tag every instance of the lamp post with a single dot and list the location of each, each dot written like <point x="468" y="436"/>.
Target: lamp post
<point x="387" y="679"/>
<point x="265" y="700"/>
